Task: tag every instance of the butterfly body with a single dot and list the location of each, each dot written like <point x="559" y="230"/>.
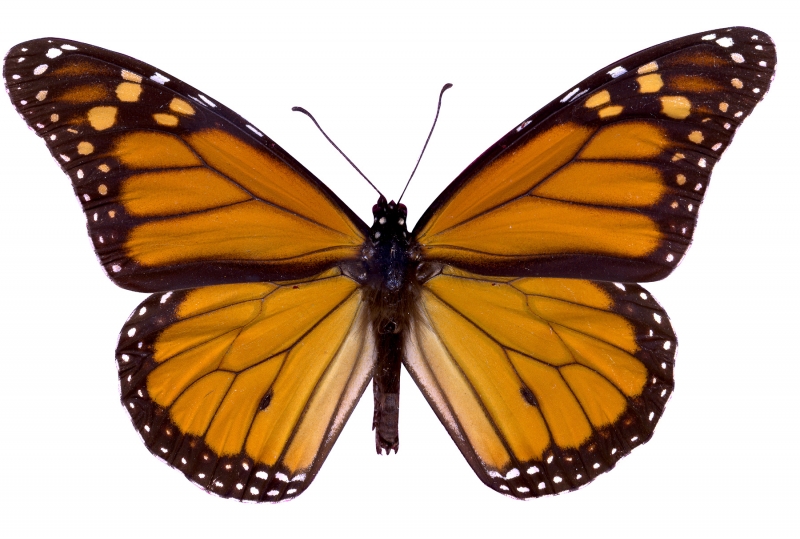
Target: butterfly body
<point x="389" y="274"/>
<point x="513" y="303"/>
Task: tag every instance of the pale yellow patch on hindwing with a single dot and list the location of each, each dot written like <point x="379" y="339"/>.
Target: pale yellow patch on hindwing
<point x="131" y="77"/>
<point x="649" y="84"/>
<point x="180" y="106"/>
<point x="648" y="68"/>
<point x="607" y="112"/>
<point x="600" y="98"/>
<point x="101" y="118"/>
<point x="676" y="106"/>
<point x="169" y="120"/>
<point x="129" y="92"/>
<point x="85" y="148"/>
<point x="696" y="137"/>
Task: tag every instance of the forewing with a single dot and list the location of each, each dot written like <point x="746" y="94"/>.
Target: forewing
<point x="543" y="383"/>
<point x="245" y="387"/>
<point x="178" y="190"/>
<point x="605" y="182"/>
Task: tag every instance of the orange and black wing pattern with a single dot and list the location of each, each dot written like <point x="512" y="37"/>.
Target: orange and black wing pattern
<point x="178" y="190"/>
<point x="245" y="387"/>
<point x="605" y="182"/>
<point x="543" y="361"/>
<point x="543" y="383"/>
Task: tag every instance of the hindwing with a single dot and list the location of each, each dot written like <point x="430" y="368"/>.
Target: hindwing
<point x="543" y="383"/>
<point x="245" y="387"/>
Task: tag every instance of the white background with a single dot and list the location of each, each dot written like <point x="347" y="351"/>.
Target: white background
<point x="723" y="460"/>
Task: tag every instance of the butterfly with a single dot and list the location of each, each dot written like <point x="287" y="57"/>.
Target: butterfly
<point x="512" y="303"/>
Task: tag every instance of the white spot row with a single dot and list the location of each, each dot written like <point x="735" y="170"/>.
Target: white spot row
<point x="159" y="78"/>
<point x="617" y="72"/>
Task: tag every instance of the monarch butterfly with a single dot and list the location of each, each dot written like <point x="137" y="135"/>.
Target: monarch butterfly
<point x="512" y="302"/>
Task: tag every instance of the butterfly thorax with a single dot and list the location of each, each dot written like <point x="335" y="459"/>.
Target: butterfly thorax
<point x="388" y="269"/>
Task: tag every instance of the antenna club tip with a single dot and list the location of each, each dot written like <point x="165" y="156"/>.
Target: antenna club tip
<point x="447" y="86"/>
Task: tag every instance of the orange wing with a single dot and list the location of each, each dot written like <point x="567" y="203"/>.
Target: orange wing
<point x="245" y="387"/>
<point x="178" y="190"/>
<point x="542" y="383"/>
<point x="605" y="182"/>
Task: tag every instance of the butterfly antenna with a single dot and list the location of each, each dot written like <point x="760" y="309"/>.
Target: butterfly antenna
<point x="304" y="111"/>
<point x="438" y="108"/>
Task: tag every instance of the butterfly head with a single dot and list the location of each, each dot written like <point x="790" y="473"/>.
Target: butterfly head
<point x="389" y="221"/>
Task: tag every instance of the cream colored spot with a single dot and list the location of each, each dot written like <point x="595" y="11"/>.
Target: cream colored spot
<point x="648" y="68"/>
<point x="102" y="189"/>
<point x="180" y="106"/>
<point x="610" y="111"/>
<point x="716" y="146"/>
<point x="650" y="83"/>
<point x="131" y="77"/>
<point x="41" y="95"/>
<point x="678" y="157"/>
<point x="696" y="137"/>
<point x="674" y="205"/>
<point x="129" y="92"/>
<point x="677" y="107"/>
<point x="112" y="214"/>
<point x="738" y="58"/>
<point x="166" y="119"/>
<point x="736" y="83"/>
<point x="102" y="117"/>
<point x="681" y="179"/>
<point x="723" y="107"/>
<point x="85" y="148"/>
<point x="104" y="168"/>
<point x="54" y="117"/>
<point x="600" y="98"/>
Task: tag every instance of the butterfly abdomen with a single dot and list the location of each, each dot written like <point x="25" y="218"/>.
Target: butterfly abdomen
<point x="389" y="269"/>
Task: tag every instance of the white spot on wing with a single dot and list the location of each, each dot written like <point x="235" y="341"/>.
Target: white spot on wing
<point x="69" y="47"/>
<point x="254" y="130"/>
<point x="159" y="78"/>
<point x="53" y="53"/>
<point x="725" y="42"/>
<point x="617" y="71"/>
<point x="207" y="100"/>
<point x="709" y="37"/>
<point x="569" y="95"/>
<point x="40" y="69"/>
